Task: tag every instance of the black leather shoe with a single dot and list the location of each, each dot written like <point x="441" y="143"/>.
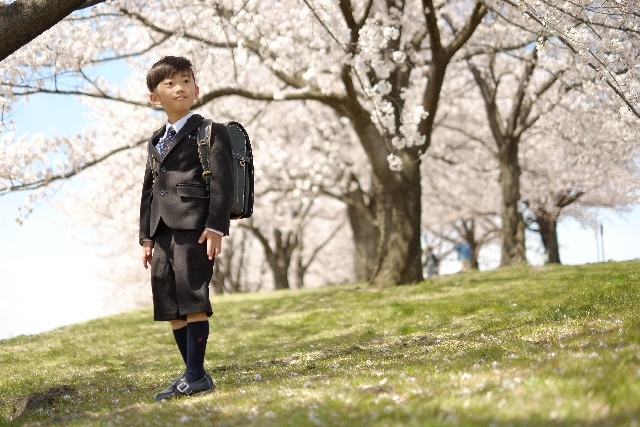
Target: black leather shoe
<point x="206" y="374"/>
<point x="181" y="387"/>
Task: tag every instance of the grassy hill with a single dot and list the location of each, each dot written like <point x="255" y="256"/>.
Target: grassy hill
<point x="530" y="346"/>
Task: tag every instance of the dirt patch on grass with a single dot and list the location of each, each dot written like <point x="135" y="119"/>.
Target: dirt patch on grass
<point x="34" y="401"/>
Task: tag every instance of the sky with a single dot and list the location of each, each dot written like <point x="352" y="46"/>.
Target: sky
<point x="48" y="274"/>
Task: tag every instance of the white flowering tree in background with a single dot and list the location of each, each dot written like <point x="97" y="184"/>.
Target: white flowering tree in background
<point x="298" y="161"/>
<point x="240" y="268"/>
<point x="604" y="36"/>
<point x="460" y="188"/>
<point x="577" y="160"/>
<point x="460" y="171"/>
<point x="517" y="91"/>
<point x="378" y="66"/>
<point x="523" y="77"/>
<point x="577" y="149"/>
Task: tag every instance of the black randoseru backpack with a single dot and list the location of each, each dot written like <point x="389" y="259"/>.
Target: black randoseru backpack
<point x="242" y="167"/>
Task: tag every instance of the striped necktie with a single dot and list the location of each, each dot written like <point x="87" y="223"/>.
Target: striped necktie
<point x="167" y="140"/>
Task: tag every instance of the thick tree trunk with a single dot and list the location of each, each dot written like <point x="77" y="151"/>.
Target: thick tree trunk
<point x="24" y="20"/>
<point x="280" y="277"/>
<point x="513" y="244"/>
<point x="399" y="251"/>
<point x="398" y="193"/>
<point x="365" y="238"/>
<point x="361" y="212"/>
<point x="548" y="229"/>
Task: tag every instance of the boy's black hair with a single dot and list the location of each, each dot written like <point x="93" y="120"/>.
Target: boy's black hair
<point x="167" y="67"/>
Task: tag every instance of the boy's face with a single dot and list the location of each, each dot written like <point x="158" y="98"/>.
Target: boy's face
<point x="176" y="95"/>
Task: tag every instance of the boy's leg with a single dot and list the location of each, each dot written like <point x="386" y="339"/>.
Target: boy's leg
<point x="193" y="271"/>
<point x="181" y="285"/>
<point x="192" y="334"/>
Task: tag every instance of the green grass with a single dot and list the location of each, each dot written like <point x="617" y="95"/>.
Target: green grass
<point x="529" y="346"/>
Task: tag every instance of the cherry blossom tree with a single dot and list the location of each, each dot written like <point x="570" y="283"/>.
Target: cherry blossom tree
<point x="298" y="161"/>
<point x="460" y="171"/>
<point x="379" y="66"/>
<point x="521" y="79"/>
<point x="361" y="60"/>
<point x="602" y="36"/>
<point x="577" y="160"/>
<point x="508" y="123"/>
<point x="532" y="86"/>
<point x="519" y="94"/>
<point x="285" y="249"/>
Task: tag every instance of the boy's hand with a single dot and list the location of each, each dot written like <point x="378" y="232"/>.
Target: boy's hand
<point x="214" y="243"/>
<point x="147" y="253"/>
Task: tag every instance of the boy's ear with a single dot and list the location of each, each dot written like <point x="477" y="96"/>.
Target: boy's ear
<point x="197" y="92"/>
<point x="155" y="99"/>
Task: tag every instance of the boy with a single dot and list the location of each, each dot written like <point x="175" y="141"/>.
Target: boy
<point x="182" y="222"/>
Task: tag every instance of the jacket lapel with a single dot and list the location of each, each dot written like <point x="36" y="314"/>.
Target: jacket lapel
<point x="153" y="141"/>
<point x="192" y="124"/>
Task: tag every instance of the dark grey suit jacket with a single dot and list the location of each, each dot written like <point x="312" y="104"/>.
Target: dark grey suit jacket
<point x="179" y="196"/>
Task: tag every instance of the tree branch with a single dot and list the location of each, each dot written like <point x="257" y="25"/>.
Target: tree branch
<point x="58" y="177"/>
<point x="332" y="101"/>
<point x="89" y="3"/>
<point x="479" y="11"/>
<point x="31" y="90"/>
<point x="496" y="123"/>
<point x="432" y="27"/>
<point x="317" y="250"/>
<point x="306" y="2"/>
<point x="23" y="21"/>
<point x="519" y="113"/>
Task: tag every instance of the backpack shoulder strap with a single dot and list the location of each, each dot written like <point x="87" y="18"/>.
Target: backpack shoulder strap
<point x="204" y="140"/>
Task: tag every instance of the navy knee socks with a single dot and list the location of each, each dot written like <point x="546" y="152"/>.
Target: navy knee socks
<point x="197" y="336"/>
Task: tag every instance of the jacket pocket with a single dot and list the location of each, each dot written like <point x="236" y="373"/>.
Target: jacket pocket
<point x="192" y="190"/>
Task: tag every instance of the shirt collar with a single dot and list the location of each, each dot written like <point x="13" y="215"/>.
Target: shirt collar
<point x="178" y="124"/>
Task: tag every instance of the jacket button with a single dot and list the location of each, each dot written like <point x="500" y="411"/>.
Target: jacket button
<point x="162" y="192"/>
<point x="163" y="169"/>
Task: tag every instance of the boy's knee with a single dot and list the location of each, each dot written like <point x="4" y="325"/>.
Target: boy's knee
<point x="178" y="324"/>
<point x="197" y="317"/>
